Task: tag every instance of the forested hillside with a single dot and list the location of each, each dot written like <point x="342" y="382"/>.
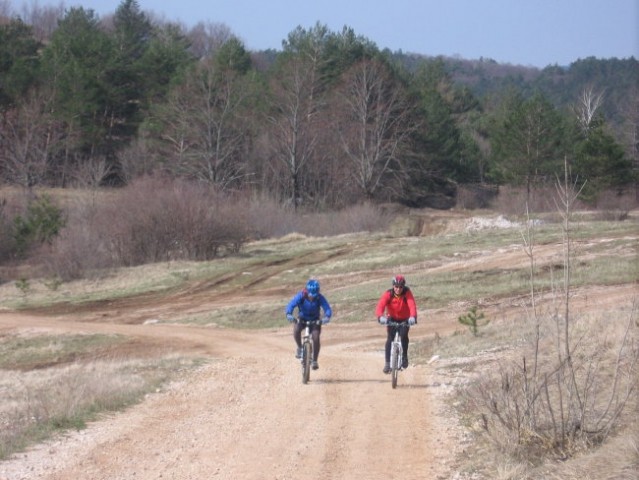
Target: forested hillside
<point x="330" y="120"/>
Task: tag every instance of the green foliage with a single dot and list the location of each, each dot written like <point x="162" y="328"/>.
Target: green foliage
<point x="126" y="95"/>
<point x="18" y="60"/>
<point x="471" y="320"/>
<point x="440" y="136"/>
<point x="445" y="151"/>
<point x="105" y="80"/>
<point x="165" y="62"/>
<point x="599" y="161"/>
<point x="75" y="61"/>
<point x="23" y="285"/>
<point x="232" y="56"/>
<point x="333" y="52"/>
<point x="528" y="142"/>
<point x="41" y="224"/>
<point x="53" y="284"/>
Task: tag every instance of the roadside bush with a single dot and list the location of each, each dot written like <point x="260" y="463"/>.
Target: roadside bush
<point x="269" y="219"/>
<point x="474" y="196"/>
<point x="149" y="221"/>
<point x="80" y="250"/>
<point x="358" y="218"/>
<point x="515" y="201"/>
<point x="165" y="220"/>
<point x="576" y="382"/>
<point x="158" y="219"/>
<point x="542" y="408"/>
<point x="24" y="228"/>
<point x="42" y="222"/>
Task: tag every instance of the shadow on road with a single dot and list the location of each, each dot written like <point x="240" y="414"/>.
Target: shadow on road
<point x="346" y="380"/>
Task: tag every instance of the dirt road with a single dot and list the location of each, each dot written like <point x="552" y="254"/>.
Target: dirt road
<point x="248" y="416"/>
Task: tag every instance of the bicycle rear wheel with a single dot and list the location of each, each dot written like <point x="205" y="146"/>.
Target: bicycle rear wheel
<point x="395" y="364"/>
<point x="307" y="357"/>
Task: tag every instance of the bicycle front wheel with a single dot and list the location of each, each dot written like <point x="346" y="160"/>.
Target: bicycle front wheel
<point x="307" y="357"/>
<point x="396" y="358"/>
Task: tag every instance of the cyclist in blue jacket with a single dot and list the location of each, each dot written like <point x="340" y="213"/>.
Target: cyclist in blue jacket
<point x="309" y="303"/>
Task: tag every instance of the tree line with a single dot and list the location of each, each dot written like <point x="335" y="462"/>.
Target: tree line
<point x="328" y="121"/>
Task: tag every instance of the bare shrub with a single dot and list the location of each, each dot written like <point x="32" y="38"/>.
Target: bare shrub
<point x="363" y="217"/>
<point x="618" y="459"/>
<point x="475" y="196"/>
<point x="573" y="386"/>
<point x="514" y="201"/>
<point x="80" y="249"/>
<point x="541" y="406"/>
<point x="92" y="172"/>
<point x="268" y="219"/>
<point x="623" y="200"/>
<point x="148" y="221"/>
<point x="358" y="218"/>
<point x="157" y="220"/>
<point x="611" y="204"/>
<point x="615" y="205"/>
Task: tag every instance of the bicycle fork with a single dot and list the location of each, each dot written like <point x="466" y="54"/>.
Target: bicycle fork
<point x="396" y="352"/>
<point x="307" y="344"/>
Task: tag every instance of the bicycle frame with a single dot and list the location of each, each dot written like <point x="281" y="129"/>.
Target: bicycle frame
<point x="396" y="351"/>
<point x="307" y="347"/>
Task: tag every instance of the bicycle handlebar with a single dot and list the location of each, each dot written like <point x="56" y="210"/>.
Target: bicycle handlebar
<point x="393" y="323"/>
<point x="309" y="322"/>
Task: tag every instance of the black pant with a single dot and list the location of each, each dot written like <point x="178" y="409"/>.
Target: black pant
<point x="390" y="336"/>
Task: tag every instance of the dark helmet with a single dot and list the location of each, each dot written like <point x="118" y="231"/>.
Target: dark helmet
<point x="313" y="287"/>
<point x="399" y="281"/>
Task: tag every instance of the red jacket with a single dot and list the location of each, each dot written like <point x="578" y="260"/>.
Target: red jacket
<point x="398" y="307"/>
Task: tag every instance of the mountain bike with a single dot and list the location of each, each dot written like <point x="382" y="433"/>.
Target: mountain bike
<point x="396" y="351"/>
<point x="307" y="347"/>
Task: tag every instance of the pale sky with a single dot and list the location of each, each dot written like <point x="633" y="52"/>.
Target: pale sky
<point x="520" y="32"/>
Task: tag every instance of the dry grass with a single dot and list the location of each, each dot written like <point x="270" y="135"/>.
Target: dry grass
<point x="52" y="383"/>
<point x="479" y="366"/>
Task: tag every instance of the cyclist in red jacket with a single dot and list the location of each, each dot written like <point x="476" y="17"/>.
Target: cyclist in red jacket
<point x="397" y="304"/>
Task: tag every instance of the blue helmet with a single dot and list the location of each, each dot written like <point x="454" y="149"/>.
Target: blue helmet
<point x="313" y="287"/>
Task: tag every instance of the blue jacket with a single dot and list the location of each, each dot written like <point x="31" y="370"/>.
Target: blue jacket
<point x="309" y="309"/>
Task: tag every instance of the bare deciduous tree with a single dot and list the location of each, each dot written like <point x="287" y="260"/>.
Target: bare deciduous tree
<point x="92" y="173"/>
<point x="5" y="11"/>
<point x="374" y="126"/>
<point x="27" y="137"/>
<point x="207" y="37"/>
<point x="586" y="108"/>
<point x="295" y="109"/>
<point x="43" y="19"/>
<point x="201" y="127"/>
